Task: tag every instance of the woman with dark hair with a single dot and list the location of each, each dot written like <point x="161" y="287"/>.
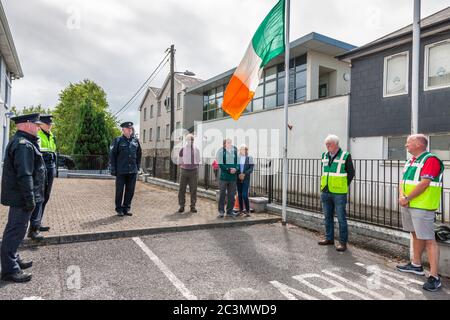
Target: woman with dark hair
<point x="246" y="166"/>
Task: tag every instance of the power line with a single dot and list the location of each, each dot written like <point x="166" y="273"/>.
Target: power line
<point x="147" y="84"/>
<point x="143" y="86"/>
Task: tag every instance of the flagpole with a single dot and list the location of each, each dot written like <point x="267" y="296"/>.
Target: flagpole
<point x="286" y="113"/>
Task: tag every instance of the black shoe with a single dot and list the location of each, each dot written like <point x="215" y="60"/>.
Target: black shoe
<point x="193" y="210"/>
<point x="20" y="277"/>
<point x="33" y="234"/>
<point x="44" y="229"/>
<point x="409" y="268"/>
<point x="24" y="265"/>
<point x="128" y="214"/>
<point x="120" y="213"/>
<point x="181" y="210"/>
<point x="432" y="284"/>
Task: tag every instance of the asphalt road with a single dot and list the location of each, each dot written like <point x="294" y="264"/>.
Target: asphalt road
<point x="251" y="263"/>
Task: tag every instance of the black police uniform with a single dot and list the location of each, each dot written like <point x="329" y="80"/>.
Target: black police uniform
<point x="23" y="181"/>
<point x="50" y="159"/>
<point x="125" y="160"/>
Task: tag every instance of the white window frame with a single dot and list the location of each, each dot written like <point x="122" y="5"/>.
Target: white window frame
<point x="427" y="66"/>
<point x="385" y="94"/>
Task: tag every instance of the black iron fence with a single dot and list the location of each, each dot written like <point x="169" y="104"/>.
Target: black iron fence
<point x="373" y="195"/>
<point x="91" y="163"/>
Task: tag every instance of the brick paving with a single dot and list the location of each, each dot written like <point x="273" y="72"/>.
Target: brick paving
<point x="80" y="206"/>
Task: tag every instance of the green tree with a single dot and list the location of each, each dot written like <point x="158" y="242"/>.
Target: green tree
<point x="92" y="139"/>
<point x="68" y="115"/>
<point x="26" y="110"/>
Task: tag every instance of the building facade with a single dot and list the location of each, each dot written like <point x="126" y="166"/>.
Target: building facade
<point x="380" y="102"/>
<point x="10" y="69"/>
<point x="318" y="98"/>
<point x="155" y="131"/>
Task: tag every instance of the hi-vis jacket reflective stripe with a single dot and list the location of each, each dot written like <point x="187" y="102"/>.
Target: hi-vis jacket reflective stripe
<point x="335" y="176"/>
<point x="431" y="198"/>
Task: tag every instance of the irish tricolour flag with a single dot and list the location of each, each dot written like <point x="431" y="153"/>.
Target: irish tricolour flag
<point x="268" y="42"/>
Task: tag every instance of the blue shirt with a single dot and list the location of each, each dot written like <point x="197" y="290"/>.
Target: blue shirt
<point x="242" y="162"/>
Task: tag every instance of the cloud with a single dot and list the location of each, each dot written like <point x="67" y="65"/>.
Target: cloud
<point x="118" y="43"/>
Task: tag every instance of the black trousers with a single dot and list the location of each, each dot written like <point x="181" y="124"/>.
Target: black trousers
<point x="125" y="186"/>
<point x="51" y="172"/>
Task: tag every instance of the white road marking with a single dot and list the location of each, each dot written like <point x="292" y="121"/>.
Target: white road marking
<point x="398" y="279"/>
<point x="291" y="293"/>
<point x="241" y="294"/>
<point x="329" y="292"/>
<point x="398" y="295"/>
<point x="164" y="269"/>
<point x="32" y="298"/>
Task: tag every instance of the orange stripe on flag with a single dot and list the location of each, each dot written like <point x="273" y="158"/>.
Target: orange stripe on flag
<point x="237" y="97"/>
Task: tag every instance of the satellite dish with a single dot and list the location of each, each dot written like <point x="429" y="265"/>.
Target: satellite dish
<point x="347" y="77"/>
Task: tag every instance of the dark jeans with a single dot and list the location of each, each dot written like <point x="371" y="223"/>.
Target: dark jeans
<point x="228" y="191"/>
<point x="335" y="203"/>
<point x="15" y="231"/>
<point x="125" y="186"/>
<point x="243" y="188"/>
<point x="188" y="178"/>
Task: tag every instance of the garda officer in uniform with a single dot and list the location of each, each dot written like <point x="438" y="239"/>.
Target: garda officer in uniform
<point x="23" y="183"/>
<point x="125" y="160"/>
<point x="47" y="146"/>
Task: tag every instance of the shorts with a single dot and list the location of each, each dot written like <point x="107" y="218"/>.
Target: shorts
<point x="419" y="221"/>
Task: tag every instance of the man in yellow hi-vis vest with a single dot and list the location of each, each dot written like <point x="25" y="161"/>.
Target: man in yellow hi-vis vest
<point x="47" y="145"/>
<point x="337" y="175"/>
<point x="420" y="198"/>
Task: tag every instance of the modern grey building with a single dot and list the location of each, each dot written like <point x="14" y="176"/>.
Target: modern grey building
<point x="318" y="99"/>
<point x="10" y="69"/>
<point x="380" y="100"/>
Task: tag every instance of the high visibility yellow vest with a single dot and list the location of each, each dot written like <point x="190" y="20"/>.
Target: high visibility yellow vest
<point x="46" y="144"/>
<point x="335" y="176"/>
<point x="431" y="198"/>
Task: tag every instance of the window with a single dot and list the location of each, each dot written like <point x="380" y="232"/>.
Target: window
<point x="437" y="65"/>
<point x="145" y="114"/>
<point x="168" y="132"/>
<point x="396" y="148"/>
<point x="145" y="136"/>
<point x="396" y="75"/>
<point x="151" y="111"/>
<point x="179" y="97"/>
<point x="150" y="135"/>
<point x="440" y="146"/>
<point x="159" y="108"/>
<point x="158" y="134"/>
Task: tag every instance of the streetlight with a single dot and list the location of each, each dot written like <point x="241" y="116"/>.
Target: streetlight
<point x="173" y="176"/>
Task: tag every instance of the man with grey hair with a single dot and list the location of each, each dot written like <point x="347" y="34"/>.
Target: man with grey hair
<point x="189" y="161"/>
<point x="338" y="174"/>
<point x="420" y="198"/>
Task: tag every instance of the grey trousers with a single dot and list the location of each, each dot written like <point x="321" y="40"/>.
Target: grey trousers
<point x="227" y="190"/>
<point x="188" y="178"/>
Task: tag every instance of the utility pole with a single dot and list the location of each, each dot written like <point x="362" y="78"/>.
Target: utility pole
<point x="173" y="175"/>
<point x="415" y="69"/>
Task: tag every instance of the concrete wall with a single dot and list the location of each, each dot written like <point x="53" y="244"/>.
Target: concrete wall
<point x="337" y="85"/>
<point x="263" y="131"/>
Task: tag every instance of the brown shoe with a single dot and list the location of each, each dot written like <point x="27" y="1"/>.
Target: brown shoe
<point x="326" y="243"/>
<point x="342" y="247"/>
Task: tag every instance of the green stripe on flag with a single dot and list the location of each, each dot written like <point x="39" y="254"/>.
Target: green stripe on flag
<point x="269" y="40"/>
